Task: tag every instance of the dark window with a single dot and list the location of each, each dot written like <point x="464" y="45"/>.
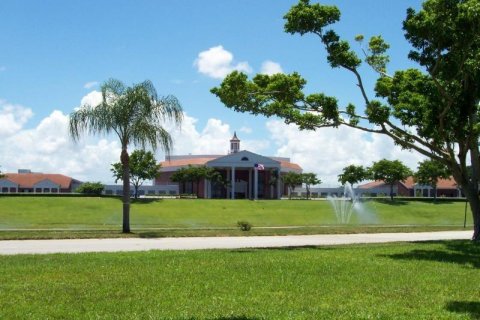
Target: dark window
<point x="244" y="159"/>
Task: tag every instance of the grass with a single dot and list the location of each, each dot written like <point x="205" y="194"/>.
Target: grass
<point x="436" y="280"/>
<point x="28" y="217"/>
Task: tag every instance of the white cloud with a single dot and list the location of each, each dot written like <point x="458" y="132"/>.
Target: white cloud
<point x="217" y="62"/>
<point x="328" y="150"/>
<point x="93" y="98"/>
<point x="270" y="67"/>
<point x="48" y="148"/>
<point x="90" y="84"/>
<point x="246" y="130"/>
<point x="12" y="117"/>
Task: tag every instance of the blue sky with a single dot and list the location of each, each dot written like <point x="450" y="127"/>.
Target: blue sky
<point x="55" y="53"/>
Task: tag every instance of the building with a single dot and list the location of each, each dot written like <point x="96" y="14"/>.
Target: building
<point x="26" y="181"/>
<point x="248" y="175"/>
<point x="408" y="188"/>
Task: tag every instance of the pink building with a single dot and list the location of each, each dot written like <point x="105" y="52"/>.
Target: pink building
<point x="249" y="175"/>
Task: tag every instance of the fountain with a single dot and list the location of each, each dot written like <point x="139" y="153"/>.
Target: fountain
<point x="345" y="206"/>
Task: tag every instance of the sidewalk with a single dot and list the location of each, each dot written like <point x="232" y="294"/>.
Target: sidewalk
<point x="10" y="247"/>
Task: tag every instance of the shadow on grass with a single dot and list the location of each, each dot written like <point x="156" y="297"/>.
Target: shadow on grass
<point x="472" y="308"/>
<point x="145" y="201"/>
<point x="462" y="252"/>
<point x="230" y="318"/>
<point x="395" y="202"/>
<point x="247" y="250"/>
<point x="150" y="234"/>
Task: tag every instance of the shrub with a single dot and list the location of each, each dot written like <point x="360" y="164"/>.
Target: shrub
<point x="244" y="225"/>
<point x="93" y="188"/>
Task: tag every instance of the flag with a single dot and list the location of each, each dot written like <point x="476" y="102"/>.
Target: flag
<point x="259" y="166"/>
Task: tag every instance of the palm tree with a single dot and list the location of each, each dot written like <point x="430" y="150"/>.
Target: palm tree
<point x="135" y="114"/>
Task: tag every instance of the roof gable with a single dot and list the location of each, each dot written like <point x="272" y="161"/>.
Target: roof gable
<point x="245" y="159"/>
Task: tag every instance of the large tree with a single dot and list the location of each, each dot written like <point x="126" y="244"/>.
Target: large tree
<point x="433" y="109"/>
<point x="428" y="173"/>
<point x="143" y="166"/>
<point x="390" y="172"/>
<point x="136" y="115"/>
<point x="353" y="174"/>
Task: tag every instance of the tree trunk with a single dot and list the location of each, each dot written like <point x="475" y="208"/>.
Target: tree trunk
<point x="391" y="192"/>
<point x="136" y="190"/>
<point x="435" y="193"/>
<point x="124" y="158"/>
<point x="474" y="202"/>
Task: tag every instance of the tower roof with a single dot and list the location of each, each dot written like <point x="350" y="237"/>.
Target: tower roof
<point x="234" y="138"/>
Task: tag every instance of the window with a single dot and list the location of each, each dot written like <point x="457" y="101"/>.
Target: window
<point x="244" y="159"/>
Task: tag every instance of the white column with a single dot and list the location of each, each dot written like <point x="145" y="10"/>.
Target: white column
<point x="250" y="184"/>
<point x="255" y="184"/>
<point x="233" y="182"/>
<point x="228" y="179"/>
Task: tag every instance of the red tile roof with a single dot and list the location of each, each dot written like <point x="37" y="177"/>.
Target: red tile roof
<point x="410" y="182"/>
<point x="28" y="180"/>
<point x="186" y="162"/>
<point x="202" y="161"/>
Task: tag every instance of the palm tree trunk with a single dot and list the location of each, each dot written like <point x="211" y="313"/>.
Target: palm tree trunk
<point x="124" y="158"/>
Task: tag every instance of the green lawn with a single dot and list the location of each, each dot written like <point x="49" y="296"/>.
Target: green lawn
<point x="71" y="216"/>
<point x="437" y="280"/>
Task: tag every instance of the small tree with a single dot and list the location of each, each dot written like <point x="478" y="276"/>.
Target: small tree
<point x="91" y="188"/>
<point x="353" y="174"/>
<point x="291" y="180"/>
<point x="1" y="175"/>
<point x="310" y="179"/>
<point x="428" y="173"/>
<point x="390" y="172"/>
<point x="143" y="166"/>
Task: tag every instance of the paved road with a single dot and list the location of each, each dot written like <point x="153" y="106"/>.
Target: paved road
<point x="10" y="247"/>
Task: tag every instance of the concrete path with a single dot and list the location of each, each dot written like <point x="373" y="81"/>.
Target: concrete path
<point x="10" y="247"/>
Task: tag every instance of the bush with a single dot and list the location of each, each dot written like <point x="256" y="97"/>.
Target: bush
<point x="92" y="188"/>
<point x="244" y="225"/>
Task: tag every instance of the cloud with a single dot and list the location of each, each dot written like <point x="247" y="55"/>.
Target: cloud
<point x="246" y="130"/>
<point x="328" y="150"/>
<point x="90" y="84"/>
<point x="270" y="67"/>
<point x="12" y="117"/>
<point x="93" y="98"/>
<point x="217" y="62"/>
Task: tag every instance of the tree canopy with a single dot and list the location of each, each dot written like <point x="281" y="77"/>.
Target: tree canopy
<point x="390" y="172"/>
<point x="194" y="174"/>
<point x="291" y="180"/>
<point x="428" y="173"/>
<point x="143" y="166"/>
<point x="432" y="109"/>
<point x="136" y="115"/>
<point x="310" y="179"/>
<point x="353" y="174"/>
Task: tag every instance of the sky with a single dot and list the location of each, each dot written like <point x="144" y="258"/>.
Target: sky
<point x="55" y="55"/>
